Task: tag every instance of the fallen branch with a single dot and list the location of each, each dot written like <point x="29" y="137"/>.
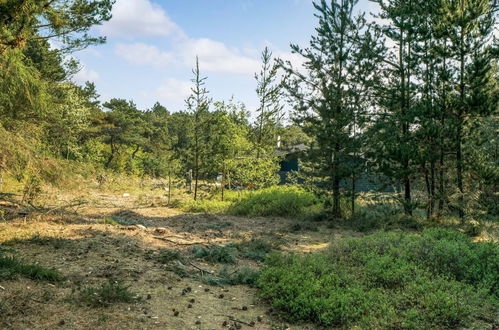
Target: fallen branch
<point x="62" y="207"/>
<point x="201" y="269"/>
<point x="179" y="243"/>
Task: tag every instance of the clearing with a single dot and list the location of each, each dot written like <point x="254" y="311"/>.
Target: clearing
<point x="112" y="237"/>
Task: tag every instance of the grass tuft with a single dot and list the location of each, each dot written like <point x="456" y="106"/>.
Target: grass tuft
<point x="255" y="249"/>
<point x="241" y="276"/>
<point x="107" y="294"/>
<point x="11" y="267"/>
<point x="220" y="254"/>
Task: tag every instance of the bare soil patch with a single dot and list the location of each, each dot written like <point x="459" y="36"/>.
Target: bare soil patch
<point x="111" y="237"/>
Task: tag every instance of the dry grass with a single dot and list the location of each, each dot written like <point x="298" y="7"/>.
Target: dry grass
<point x="87" y="252"/>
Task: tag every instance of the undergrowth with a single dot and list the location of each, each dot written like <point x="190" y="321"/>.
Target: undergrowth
<point x="220" y="254"/>
<point x="439" y="279"/>
<point x="11" y="268"/>
<point x="275" y="201"/>
<point x="205" y="206"/>
<point x="241" y="276"/>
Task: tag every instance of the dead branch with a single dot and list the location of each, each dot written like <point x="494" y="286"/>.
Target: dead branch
<point x="179" y="243"/>
<point x="201" y="269"/>
<point x="62" y="207"/>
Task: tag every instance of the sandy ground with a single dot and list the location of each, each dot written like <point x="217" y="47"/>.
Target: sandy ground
<point x="88" y="252"/>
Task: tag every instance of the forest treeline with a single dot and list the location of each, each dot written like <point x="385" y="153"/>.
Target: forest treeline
<point x="410" y="95"/>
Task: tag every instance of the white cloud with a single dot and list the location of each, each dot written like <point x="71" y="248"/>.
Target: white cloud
<point x="85" y="75"/>
<point x="296" y="60"/>
<point x="140" y="53"/>
<point x="139" y="18"/>
<point x="215" y="56"/>
<point x="172" y="93"/>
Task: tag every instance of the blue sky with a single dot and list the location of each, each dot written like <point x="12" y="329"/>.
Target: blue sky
<point x="152" y="44"/>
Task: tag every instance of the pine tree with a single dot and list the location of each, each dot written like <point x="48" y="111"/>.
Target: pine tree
<point x="270" y="109"/>
<point x="198" y="105"/>
<point x="470" y="26"/>
<point x="396" y="102"/>
<point x="322" y="96"/>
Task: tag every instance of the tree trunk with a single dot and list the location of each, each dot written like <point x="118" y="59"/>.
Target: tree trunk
<point x="169" y="187"/>
<point x="459" y="131"/>
<point x="353" y="193"/>
<point x="223" y="182"/>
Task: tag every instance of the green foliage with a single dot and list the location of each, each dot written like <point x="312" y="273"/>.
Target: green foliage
<point x="67" y="22"/>
<point x="165" y="256"/>
<point x="11" y="267"/>
<point x="109" y="293"/>
<point x="205" y="206"/>
<point x="255" y="249"/>
<point x="373" y="219"/>
<point x="220" y="254"/>
<point x="241" y="276"/>
<point x="275" y="201"/>
<point x="388" y="280"/>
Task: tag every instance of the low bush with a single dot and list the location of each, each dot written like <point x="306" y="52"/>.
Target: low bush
<point x="275" y="201"/>
<point x="108" y="293"/>
<point x="241" y="276"/>
<point x="380" y="217"/>
<point x="164" y="256"/>
<point x="11" y="267"/>
<point x="439" y="279"/>
<point x="220" y="254"/>
<point x="255" y="249"/>
<point x="205" y="206"/>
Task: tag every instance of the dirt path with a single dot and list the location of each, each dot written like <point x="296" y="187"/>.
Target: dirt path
<point x="88" y="247"/>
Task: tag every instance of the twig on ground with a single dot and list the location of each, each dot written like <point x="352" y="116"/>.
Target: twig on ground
<point x="179" y="243"/>
<point x="62" y="207"/>
<point x="200" y="269"/>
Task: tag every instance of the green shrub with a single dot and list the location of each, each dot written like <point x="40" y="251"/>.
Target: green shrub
<point x="221" y="254"/>
<point x="439" y="279"/>
<point x="381" y="217"/>
<point x="11" y="267"/>
<point x="205" y="206"/>
<point x="242" y="276"/>
<point x="275" y="201"/>
<point x="108" y="293"/>
<point x="255" y="249"/>
<point x="164" y="256"/>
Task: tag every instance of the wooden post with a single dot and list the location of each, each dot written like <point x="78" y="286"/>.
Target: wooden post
<point x="169" y="186"/>
<point x="223" y="181"/>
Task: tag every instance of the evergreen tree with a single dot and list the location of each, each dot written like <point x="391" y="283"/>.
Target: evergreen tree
<point x="68" y="22"/>
<point x="270" y="109"/>
<point x="470" y="28"/>
<point x="198" y="105"/>
<point x="321" y="96"/>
